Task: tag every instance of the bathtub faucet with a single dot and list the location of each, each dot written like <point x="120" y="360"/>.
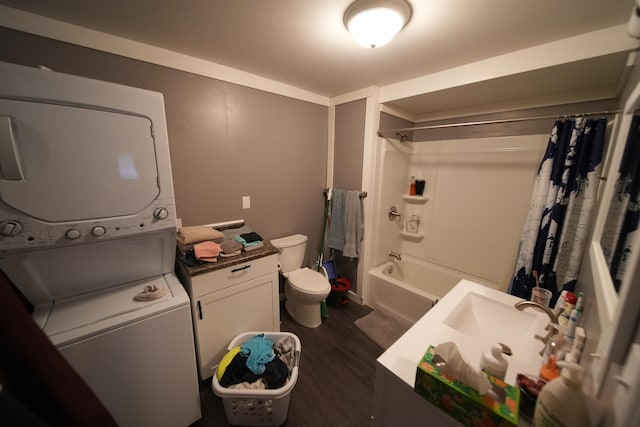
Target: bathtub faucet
<point x="396" y="255"/>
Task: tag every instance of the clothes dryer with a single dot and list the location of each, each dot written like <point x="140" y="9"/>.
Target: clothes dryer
<point x="87" y="220"/>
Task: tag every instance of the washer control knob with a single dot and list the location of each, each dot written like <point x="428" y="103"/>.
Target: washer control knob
<point x="72" y="234"/>
<point x="98" y="230"/>
<point x="160" y="213"/>
<point x="10" y="228"/>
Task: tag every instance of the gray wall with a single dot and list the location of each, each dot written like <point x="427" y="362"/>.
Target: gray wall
<point x="347" y="167"/>
<point x="349" y="145"/>
<point x="226" y="140"/>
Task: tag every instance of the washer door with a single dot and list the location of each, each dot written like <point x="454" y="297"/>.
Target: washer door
<point x="69" y="163"/>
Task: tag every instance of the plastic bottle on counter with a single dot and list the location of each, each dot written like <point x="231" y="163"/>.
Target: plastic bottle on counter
<point x="561" y="401"/>
<point x="559" y="302"/>
<point x="554" y="352"/>
<point x="580" y="304"/>
<point x="570" y="300"/>
<point x="494" y="363"/>
<point x="570" y="331"/>
<point x="412" y="186"/>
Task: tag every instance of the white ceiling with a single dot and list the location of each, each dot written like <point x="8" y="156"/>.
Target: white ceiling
<point x="304" y="43"/>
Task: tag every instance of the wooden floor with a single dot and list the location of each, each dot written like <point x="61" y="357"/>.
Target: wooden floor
<point x="336" y="376"/>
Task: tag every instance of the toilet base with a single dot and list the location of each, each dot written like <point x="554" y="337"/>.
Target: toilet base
<point x="305" y="314"/>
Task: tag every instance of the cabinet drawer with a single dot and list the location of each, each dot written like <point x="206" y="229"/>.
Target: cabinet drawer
<point x="230" y="276"/>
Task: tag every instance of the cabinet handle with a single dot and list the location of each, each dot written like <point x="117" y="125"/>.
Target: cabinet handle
<point x="199" y="310"/>
<point x="235" y="270"/>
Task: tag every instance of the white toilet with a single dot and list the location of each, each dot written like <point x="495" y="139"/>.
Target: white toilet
<point x="304" y="288"/>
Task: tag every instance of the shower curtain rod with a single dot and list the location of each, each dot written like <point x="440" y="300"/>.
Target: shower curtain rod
<point x="403" y="136"/>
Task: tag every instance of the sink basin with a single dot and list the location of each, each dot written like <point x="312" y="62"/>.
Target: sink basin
<point x="474" y="317"/>
<point x="493" y="321"/>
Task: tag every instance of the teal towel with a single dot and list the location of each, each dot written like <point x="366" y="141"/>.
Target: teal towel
<point x="259" y="352"/>
<point x="240" y="239"/>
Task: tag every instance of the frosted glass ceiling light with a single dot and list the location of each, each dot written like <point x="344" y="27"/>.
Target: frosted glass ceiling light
<point x="373" y="23"/>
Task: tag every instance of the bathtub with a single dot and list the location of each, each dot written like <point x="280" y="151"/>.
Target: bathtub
<point x="409" y="288"/>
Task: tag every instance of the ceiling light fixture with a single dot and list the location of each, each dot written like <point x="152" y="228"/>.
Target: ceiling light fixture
<point x="373" y="23"/>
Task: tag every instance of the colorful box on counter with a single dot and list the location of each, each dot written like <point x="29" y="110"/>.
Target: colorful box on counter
<point x="464" y="403"/>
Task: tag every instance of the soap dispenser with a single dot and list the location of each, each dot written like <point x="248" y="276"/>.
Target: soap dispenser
<point x="494" y="363"/>
<point x="561" y="401"/>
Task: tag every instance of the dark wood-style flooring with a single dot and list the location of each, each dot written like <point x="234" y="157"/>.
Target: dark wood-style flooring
<point x="336" y="375"/>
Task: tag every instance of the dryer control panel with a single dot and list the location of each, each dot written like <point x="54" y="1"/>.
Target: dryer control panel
<point x="20" y="232"/>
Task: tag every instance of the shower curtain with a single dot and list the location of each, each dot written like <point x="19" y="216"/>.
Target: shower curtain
<point x="560" y="214"/>
<point x="624" y="211"/>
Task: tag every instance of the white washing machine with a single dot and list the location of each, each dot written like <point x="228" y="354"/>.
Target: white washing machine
<point x="135" y="356"/>
<point x="87" y="221"/>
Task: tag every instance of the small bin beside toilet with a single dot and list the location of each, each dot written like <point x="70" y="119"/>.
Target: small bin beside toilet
<point x="339" y="285"/>
<point x="304" y="288"/>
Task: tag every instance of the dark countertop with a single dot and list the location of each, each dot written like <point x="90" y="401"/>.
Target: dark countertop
<point x="266" y="250"/>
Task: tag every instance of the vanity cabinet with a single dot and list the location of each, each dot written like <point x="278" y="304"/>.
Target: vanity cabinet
<point x="230" y="298"/>
<point x="472" y="316"/>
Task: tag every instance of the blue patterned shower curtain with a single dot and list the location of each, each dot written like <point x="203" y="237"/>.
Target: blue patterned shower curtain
<point x="557" y="228"/>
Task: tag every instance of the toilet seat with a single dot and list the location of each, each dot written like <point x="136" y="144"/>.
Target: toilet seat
<point x="309" y="282"/>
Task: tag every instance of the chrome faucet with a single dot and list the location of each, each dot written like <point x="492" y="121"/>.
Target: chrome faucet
<point x="396" y="255"/>
<point x="553" y="317"/>
<point x="521" y="305"/>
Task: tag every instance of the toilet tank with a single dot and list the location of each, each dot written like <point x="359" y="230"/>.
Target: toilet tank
<point x="291" y="250"/>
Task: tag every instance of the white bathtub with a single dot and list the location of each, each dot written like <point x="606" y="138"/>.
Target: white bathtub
<point x="409" y="288"/>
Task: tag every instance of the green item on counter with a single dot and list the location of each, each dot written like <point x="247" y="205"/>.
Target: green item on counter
<point x="463" y="402"/>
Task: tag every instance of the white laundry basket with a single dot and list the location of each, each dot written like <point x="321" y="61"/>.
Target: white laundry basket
<point x="268" y="407"/>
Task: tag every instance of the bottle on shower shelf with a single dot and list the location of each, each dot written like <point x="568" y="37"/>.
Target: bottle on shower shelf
<point x="412" y="186"/>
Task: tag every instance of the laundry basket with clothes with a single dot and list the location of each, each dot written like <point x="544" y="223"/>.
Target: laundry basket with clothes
<point x="256" y="376"/>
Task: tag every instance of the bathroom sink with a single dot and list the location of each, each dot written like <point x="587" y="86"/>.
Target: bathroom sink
<point x="493" y="321"/>
<point x="474" y="317"/>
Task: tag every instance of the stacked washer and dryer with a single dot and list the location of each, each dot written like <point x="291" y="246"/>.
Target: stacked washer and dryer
<point x="88" y="223"/>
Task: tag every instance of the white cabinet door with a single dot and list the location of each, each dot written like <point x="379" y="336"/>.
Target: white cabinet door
<point x="220" y="316"/>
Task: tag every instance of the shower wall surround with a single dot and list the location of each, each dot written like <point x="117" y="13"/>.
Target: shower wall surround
<point x="479" y="191"/>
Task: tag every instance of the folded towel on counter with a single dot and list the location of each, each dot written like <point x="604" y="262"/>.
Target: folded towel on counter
<point x="207" y="251"/>
<point x="231" y="233"/>
<point x="229" y="246"/>
<point x="229" y="255"/>
<point x="241" y="239"/>
<point x="198" y="233"/>
<point x="251" y="237"/>
<point x="253" y="247"/>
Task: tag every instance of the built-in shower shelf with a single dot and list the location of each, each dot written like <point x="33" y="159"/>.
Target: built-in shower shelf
<point x="415" y="199"/>
<point x="412" y="236"/>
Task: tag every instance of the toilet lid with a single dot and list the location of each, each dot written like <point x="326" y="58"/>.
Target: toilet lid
<point x="309" y="281"/>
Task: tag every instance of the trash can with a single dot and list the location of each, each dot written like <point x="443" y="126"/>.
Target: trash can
<point x="246" y="407"/>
